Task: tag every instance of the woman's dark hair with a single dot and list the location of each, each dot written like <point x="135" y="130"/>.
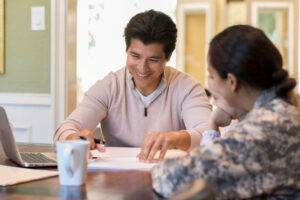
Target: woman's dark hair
<point x="152" y="26"/>
<point x="247" y="53"/>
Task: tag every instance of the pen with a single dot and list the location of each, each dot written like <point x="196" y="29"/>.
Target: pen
<point x="97" y="141"/>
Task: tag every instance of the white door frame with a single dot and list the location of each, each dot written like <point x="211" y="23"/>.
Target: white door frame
<point x="58" y="61"/>
<point x="197" y="7"/>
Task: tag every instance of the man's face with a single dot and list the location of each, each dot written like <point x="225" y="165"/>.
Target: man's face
<point x="146" y="64"/>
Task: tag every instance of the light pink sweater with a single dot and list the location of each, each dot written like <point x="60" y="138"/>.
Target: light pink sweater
<point x="113" y="102"/>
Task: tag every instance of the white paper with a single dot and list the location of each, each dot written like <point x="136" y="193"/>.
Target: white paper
<point x="124" y="158"/>
<point x="13" y="175"/>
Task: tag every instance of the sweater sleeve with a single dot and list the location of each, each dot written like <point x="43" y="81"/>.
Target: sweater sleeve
<point x="195" y="112"/>
<point x="91" y="110"/>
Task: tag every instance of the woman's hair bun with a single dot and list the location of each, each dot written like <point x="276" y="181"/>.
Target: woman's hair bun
<point x="279" y="76"/>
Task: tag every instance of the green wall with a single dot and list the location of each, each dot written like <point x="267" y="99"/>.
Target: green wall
<point x="27" y="53"/>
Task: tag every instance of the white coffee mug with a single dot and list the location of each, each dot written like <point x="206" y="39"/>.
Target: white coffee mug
<point x="72" y="158"/>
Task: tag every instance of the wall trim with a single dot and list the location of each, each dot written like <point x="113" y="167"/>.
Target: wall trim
<point x="26" y="99"/>
<point x="22" y="127"/>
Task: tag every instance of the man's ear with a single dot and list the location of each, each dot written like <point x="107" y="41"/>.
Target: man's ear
<point x="232" y="82"/>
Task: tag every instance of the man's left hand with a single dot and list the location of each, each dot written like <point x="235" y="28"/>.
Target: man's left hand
<point x="162" y="141"/>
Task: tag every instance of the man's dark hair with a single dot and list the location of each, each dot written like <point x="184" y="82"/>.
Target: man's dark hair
<point x="152" y="26"/>
<point x="207" y="92"/>
<point x="247" y="53"/>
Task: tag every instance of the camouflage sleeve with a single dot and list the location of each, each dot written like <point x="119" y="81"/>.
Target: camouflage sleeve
<point x="251" y="160"/>
<point x="174" y="174"/>
<point x="229" y="165"/>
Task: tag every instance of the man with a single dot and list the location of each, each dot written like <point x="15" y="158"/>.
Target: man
<point x="144" y="104"/>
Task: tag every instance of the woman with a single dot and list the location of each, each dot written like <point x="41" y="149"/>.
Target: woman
<point x="259" y="156"/>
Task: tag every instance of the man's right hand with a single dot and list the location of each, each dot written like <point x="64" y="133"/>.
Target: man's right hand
<point x="89" y="135"/>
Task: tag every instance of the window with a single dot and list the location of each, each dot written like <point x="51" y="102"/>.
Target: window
<point x="100" y="41"/>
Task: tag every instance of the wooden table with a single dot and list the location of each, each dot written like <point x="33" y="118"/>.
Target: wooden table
<point x="99" y="185"/>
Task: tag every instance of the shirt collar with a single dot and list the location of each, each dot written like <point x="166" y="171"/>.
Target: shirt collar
<point x="265" y="97"/>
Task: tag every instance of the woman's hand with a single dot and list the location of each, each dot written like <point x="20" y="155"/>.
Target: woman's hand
<point x="162" y="141"/>
<point x="219" y="118"/>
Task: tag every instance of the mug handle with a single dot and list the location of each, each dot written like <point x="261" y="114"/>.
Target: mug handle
<point x="68" y="159"/>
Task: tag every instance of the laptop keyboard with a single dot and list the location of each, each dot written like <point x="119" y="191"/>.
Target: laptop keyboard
<point x="36" y="158"/>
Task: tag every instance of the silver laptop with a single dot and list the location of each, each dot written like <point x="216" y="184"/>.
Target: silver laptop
<point x="25" y="159"/>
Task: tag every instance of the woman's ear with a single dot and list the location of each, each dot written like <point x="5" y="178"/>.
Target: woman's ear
<point x="232" y="82"/>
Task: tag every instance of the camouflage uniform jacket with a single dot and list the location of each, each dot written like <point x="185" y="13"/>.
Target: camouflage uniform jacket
<point x="258" y="157"/>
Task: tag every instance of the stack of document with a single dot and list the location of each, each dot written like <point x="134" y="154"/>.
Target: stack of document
<point x="13" y="175"/>
<point x="124" y="158"/>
